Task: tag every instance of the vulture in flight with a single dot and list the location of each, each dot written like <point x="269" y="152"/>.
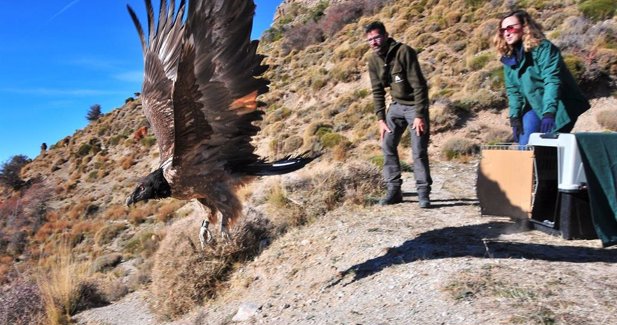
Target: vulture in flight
<point x="202" y="76"/>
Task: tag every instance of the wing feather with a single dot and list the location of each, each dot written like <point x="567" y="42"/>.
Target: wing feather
<point x="202" y="78"/>
<point x="161" y="56"/>
<point x="226" y="76"/>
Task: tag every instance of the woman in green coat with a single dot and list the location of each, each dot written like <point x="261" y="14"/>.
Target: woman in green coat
<point x="542" y="94"/>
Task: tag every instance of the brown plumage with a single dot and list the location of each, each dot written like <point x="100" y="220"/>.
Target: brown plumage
<point x="201" y="82"/>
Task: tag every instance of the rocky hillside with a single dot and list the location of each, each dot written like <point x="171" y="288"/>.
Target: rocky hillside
<point x="71" y="220"/>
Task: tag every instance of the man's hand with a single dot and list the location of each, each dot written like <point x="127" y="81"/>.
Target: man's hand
<point x="418" y="125"/>
<point x="383" y="128"/>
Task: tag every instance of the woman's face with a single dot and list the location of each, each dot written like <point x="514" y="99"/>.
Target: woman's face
<point x="511" y="29"/>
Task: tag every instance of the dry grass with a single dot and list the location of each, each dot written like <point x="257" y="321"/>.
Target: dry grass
<point x="530" y="299"/>
<point x="127" y="162"/>
<point x="185" y="277"/>
<point x="459" y="148"/>
<point x="108" y="232"/>
<point x="63" y="284"/>
<point x="443" y="116"/>
<point x="167" y="210"/>
<point x="607" y="119"/>
<point x="309" y="195"/>
<point x="115" y="212"/>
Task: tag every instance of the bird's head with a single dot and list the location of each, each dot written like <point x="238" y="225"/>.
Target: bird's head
<point x="153" y="186"/>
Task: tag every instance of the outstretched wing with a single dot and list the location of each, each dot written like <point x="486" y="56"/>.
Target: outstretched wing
<point x="162" y="52"/>
<point x="201" y="84"/>
<point x="215" y="106"/>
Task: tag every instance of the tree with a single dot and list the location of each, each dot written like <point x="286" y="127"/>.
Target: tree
<point x="94" y="113"/>
<point x="9" y="173"/>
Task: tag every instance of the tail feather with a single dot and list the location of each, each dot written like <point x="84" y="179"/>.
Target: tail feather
<point x="279" y="167"/>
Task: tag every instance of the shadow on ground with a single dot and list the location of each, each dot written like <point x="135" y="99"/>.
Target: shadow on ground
<point x="472" y="241"/>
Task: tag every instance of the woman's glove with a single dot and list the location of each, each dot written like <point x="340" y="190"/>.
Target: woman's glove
<point x="517" y="128"/>
<point x="548" y="123"/>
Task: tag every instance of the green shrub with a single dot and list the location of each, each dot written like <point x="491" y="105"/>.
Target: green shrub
<point x="479" y="61"/>
<point x="279" y="114"/>
<point x="475" y="3"/>
<point x="148" y="141"/>
<point x="575" y="65"/>
<point x="459" y="148"/>
<point x="84" y="150"/>
<point x="330" y="140"/>
<point x="497" y="79"/>
<point x="322" y="130"/>
<point x="107" y="233"/>
<point x="361" y="93"/>
<point x="103" y="130"/>
<point x="272" y="34"/>
<point x="93" y="175"/>
<point x="144" y="243"/>
<point x="597" y="10"/>
<point x="379" y="161"/>
<point x="116" y="139"/>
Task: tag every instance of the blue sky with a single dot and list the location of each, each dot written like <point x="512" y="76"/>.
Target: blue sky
<point x="60" y="57"/>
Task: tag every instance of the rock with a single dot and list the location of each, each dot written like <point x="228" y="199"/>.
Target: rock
<point x="246" y="311"/>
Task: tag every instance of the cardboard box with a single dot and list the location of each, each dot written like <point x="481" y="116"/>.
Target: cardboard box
<point x="505" y="181"/>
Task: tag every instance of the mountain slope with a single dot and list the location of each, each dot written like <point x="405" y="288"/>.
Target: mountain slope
<point x="320" y="101"/>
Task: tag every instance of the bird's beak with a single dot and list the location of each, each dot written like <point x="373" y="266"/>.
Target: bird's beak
<point x="129" y="200"/>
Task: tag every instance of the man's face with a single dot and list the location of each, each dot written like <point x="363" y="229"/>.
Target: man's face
<point x="376" y="40"/>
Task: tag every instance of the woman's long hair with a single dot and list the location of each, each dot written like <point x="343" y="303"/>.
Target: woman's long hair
<point x="532" y="33"/>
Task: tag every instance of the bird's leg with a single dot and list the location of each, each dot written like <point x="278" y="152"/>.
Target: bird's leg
<point x="205" y="236"/>
<point x="224" y="231"/>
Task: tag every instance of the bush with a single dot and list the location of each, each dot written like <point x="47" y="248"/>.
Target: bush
<point x="298" y="38"/>
<point x="108" y="232"/>
<point x="184" y="276"/>
<point x="272" y="34"/>
<point x="443" y="116"/>
<point x="597" y="10"/>
<point x="575" y="65"/>
<point x="497" y="79"/>
<point x="9" y="173"/>
<point x="478" y="62"/>
<point x="292" y="144"/>
<point x="144" y="243"/>
<point x="332" y="139"/>
<point x="21" y="303"/>
<point x="106" y="262"/>
<point x="607" y="119"/>
<point x="148" y="141"/>
<point x="378" y="161"/>
<point x="455" y="148"/>
<point x="339" y="15"/>
<point x="84" y="150"/>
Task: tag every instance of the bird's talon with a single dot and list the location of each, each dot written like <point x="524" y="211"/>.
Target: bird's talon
<point x="205" y="236"/>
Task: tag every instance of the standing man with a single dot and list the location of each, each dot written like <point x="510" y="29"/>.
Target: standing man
<point x="395" y="65"/>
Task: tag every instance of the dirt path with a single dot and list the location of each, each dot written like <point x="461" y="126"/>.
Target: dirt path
<point x="405" y="265"/>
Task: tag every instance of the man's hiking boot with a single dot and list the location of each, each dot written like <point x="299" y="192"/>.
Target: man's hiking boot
<point x="393" y="196"/>
<point x="424" y="202"/>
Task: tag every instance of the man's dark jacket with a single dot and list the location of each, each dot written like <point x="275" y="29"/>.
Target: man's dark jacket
<point x="398" y="69"/>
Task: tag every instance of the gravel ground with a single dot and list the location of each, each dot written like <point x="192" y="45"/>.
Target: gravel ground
<point x="405" y="265"/>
